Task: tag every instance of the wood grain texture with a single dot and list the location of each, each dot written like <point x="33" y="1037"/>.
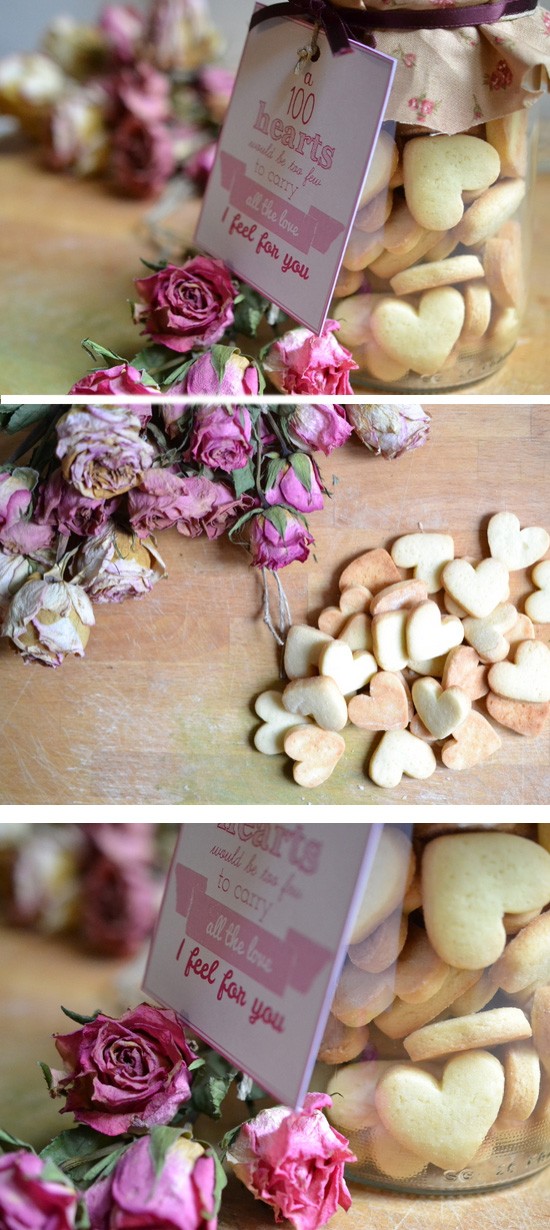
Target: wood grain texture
<point x="37" y="974"/>
<point x="70" y="252"/>
<point x="161" y="709"/>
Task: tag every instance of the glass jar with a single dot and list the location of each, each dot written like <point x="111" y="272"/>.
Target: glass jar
<point x="437" y="1050"/>
<point x="432" y="290"/>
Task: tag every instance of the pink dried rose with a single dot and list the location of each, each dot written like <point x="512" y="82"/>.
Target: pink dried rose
<point x="216" y="86"/>
<point x="28" y="538"/>
<point x="195" y="505"/>
<point x="141" y="91"/>
<point x="79" y="139"/>
<point x="301" y="491"/>
<point x="119" y="904"/>
<point x="188" y="305"/>
<point x="125" y="1074"/>
<point x="63" y="508"/>
<point x="318" y="428"/>
<point x="159" y="502"/>
<point x="122" y="27"/>
<point x="116" y="565"/>
<point x="199" y="165"/>
<point x="34" y="1194"/>
<point x="122" y="843"/>
<point x="139" y="1197"/>
<point x="294" y="1161"/>
<point x="273" y="547"/>
<point x="141" y="158"/>
<point x="49" y="620"/>
<point x="16" y="488"/>
<point x="101" y="450"/>
<point x="122" y="379"/>
<point x="301" y="363"/>
<point x="390" y="430"/>
<point x="240" y="378"/>
<point x="221" y="437"/>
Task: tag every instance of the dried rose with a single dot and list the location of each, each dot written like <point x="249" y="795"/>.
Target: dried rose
<point x="140" y="90"/>
<point x="62" y="507"/>
<point x="390" y="430"/>
<point x="160" y="501"/>
<point x="125" y="1074"/>
<point x="79" y="50"/>
<point x="14" y="571"/>
<point x="122" y="842"/>
<point x="297" y="485"/>
<point x="221" y="437"/>
<point x="187" y="305"/>
<point x="177" y="1194"/>
<point x="78" y="135"/>
<point x="122" y="28"/>
<point x="16" y="488"/>
<point x="48" y="620"/>
<point x="294" y="1161"/>
<point x="318" y="428"/>
<point x="34" y="1194"/>
<point x="180" y="35"/>
<point x="142" y="157"/>
<point x="300" y="362"/>
<point x="118" y="907"/>
<point x="101" y="450"/>
<point x="116" y="565"/>
<point x="29" y="87"/>
<point x="199" y="165"/>
<point x="216" y="86"/>
<point x="240" y="378"/>
<point x="278" y="538"/>
<point x="121" y="379"/>
<point x="45" y="886"/>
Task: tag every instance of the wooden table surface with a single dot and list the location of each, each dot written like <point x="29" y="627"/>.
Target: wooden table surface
<point x="70" y="252"/>
<point x="161" y="708"/>
<point x="37" y="974"/>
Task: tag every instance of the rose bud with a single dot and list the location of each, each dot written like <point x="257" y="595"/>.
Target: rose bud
<point x="274" y="548"/>
<point x="101" y="450"/>
<point x="48" y="620"/>
<point x="302" y="363"/>
<point x="320" y="428"/>
<point x="221" y="437"/>
<point x="390" y="430"/>
<point x="127" y="1074"/>
<point x="240" y="378"/>
<point x="16" y="489"/>
<point x="175" y="1192"/>
<point x="120" y="379"/>
<point x="29" y="87"/>
<point x="34" y="1194"/>
<point x="116" y="565"/>
<point x="188" y="305"/>
<point x="294" y="1161"/>
<point x="299" y="488"/>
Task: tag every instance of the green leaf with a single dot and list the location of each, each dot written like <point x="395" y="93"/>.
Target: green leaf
<point x="104" y="1166"/>
<point x="243" y="479"/>
<point x="197" y="1063"/>
<point x="82" y="1219"/>
<point x="69" y="1150"/>
<point x="47" y="1073"/>
<point x="156" y="266"/>
<point x="80" y="1020"/>
<point x="227" y="1140"/>
<point x="274" y="468"/>
<point x="9" y="1143"/>
<point x="212" y="1085"/>
<point x="220" y="1181"/>
<point x="100" y="354"/>
<point x="178" y="373"/>
<point x="302" y="469"/>
<point x="21" y="417"/>
<point x="154" y="358"/>
<point x="249" y="308"/>
<point x="160" y="1141"/>
<point x="242" y="521"/>
<point x="220" y="356"/>
<point x="278" y="518"/>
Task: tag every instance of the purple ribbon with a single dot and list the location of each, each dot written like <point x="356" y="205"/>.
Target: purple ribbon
<point x="343" y="25"/>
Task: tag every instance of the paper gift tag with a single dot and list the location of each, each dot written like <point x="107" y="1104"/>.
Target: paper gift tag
<point x="251" y="938"/>
<point x="292" y="158"/>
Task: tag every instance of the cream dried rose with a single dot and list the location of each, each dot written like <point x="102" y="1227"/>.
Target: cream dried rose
<point x="116" y="565"/>
<point x="101" y="450"/>
<point x="48" y="620"/>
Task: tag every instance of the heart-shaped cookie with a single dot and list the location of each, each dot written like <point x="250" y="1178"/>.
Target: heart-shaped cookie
<point x="319" y="698"/>
<point x="374" y="569"/>
<point x="440" y="711"/>
<point x="316" y="753"/>
<point x="477" y="589"/>
<point x="354" y="600"/>
<point x="464" y="670"/>
<point x="429" y="633"/>
<point x="527" y="677"/>
<point x="437" y="170"/>
<point x="277" y="720"/>
<point x="514" y="547"/>
<point x="356" y="632"/>
<point x="488" y="636"/>
<point x="522" y="716"/>
<point x="389" y="640"/>
<point x="302" y="648"/>
<point x="400" y="753"/>
<point x="537" y="605"/>
<point x="386" y="708"/>
<point x="474" y="741"/>
<point x="446" y="1121"/>
<point x="402" y="594"/>
<point x="501" y="872"/>
<point x="426" y="554"/>
<point x="349" y="670"/>
<point x="420" y="339"/>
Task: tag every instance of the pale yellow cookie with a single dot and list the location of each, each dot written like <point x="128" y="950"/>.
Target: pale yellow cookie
<point x="437" y="170"/>
<point x="464" y="1033"/>
<point x="341" y="1043"/>
<point x="428" y="631"/>
<point x="527" y="677"/>
<point x="348" y="282"/>
<point x="485" y="217"/>
<point x="353" y="315"/>
<point x="391" y="1158"/>
<point x="401" y="594"/>
<point x="503" y="266"/>
<point x="374" y="360"/>
<point x="387" y="264"/>
<point x="270" y="737"/>
<point x="318" y="697"/>
<point x="477" y="314"/>
<point x="540" y="1021"/>
<point x="356" y="632"/>
<point x="352" y="1092"/>
<point x="445" y="1121"/>
<point x="382" y="947"/>
<point x="521" y="1082"/>
<point x="302" y="648"/>
<point x="316" y="753"/>
<point x="401" y="232"/>
<point x="383" y="164"/>
<point x="489" y="636"/>
<point x="359" y="997"/>
<point x="537" y="605"/>
<point x="419" y="972"/>
<point x="373" y="216"/>
<point x="389" y="642"/>
<point x="349" y="670"/>
<point x="476" y="997"/>
<point x="392" y="872"/>
<point x="499" y="872"/>
<point x="362" y="249"/>
<point x="423" y="337"/>
<point x="401" y="1019"/>
<point x="477" y="589"/>
<point x="526" y="958"/>
<point x="437" y="273"/>
<point x="441" y="711"/>
<point x="508" y="135"/>
<point x="426" y="554"/>
<point x="400" y="753"/>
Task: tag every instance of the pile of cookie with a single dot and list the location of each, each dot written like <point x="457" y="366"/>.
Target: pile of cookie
<point x="425" y="664"/>
<point x="441" y="1017"/>
<point x="433" y="273"/>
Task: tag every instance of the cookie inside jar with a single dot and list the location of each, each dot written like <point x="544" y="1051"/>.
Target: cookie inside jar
<point x="436" y="1053"/>
<point x="433" y="286"/>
